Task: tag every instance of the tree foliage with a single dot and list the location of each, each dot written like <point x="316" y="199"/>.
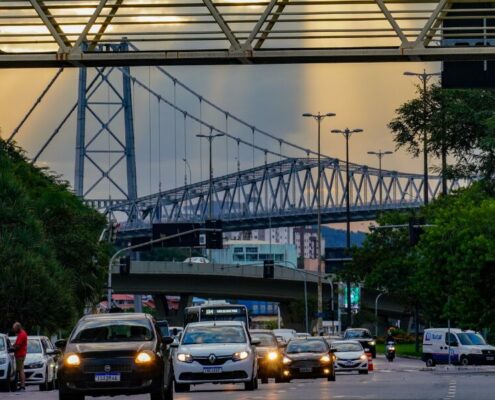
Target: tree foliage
<point x="460" y="123"/>
<point x="50" y="258"/>
<point x="451" y="272"/>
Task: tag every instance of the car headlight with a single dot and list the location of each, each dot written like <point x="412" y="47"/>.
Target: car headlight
<point x="184" y="357"/>
<point x="286" y="360"/>
<point x="72" y="360"/>
<point x="364" y="357"/>
<point x="242" y="355"/>
<point x="477" y="351"/>
<point x="372" y="343"/>
<point x="3" y="360"/>
<point x="144" y="357"/>
<point x="272" y="355"/>
<point x="325" y="359"/>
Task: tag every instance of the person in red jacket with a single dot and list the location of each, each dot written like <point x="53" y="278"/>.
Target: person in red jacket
<point x="20" y="347"/>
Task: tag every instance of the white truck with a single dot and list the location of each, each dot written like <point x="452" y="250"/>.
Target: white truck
<point x="465" y="347"/>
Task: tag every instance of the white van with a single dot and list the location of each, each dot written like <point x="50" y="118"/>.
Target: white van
<point x="466" y="347"/>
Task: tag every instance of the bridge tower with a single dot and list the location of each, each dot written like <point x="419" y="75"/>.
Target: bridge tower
<point x="102" y="104"/>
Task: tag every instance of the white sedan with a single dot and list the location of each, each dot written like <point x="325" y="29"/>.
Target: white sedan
<point x="350" y="356"/>
<point x="215" y="352"/>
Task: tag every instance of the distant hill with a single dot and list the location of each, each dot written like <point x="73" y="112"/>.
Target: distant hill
<point x="336" y="237"/>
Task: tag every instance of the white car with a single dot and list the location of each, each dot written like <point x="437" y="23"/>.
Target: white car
<point x="215" y="352"/>
<point x="8" y="375"/>
<point x="350" y="356"/>
<point x="40" y="365"/>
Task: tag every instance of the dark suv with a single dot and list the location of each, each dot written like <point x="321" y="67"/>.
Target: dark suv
<point x="115" y="354"/>
<point x="364" y="337"/>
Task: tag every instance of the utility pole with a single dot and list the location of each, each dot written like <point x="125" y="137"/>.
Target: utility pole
<point x="318" y="118"/>
<point x="347" y="133"/>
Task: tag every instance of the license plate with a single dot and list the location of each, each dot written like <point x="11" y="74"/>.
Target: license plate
<point x="212" y="370"/>
<point x="490" y="358"/>
<point x="110" y="377"/>
<point x="349" y="363"/>
<point x="305" y="370"/>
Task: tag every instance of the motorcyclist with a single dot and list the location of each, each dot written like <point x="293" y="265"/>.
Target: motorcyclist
<point x="390" y="336"/>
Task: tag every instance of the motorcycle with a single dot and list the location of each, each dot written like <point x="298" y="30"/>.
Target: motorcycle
<point x="390" y="351"/>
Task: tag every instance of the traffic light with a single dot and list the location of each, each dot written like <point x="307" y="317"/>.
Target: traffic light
<point x="268" y="269"/>
<point x="214" y="240"/>
<point x="125" y="265"/>
<point x="415" y="229"/>
<point x="112" y="231"/>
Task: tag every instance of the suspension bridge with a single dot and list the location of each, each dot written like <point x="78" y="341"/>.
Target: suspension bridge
<point x="256" y="185"/>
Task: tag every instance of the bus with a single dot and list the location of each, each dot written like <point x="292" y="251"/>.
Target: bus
<point x="217" y="312"/>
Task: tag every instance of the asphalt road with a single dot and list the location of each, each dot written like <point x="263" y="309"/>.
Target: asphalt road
<point x="401" y="380"/>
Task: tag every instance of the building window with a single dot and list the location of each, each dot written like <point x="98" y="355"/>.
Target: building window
<point x="251" y="257"/>
<point x="251" y="250"/>
<point x="279" y="257"/>
<point x="265" y="257"/>
<point x="238" y="250"/>
<point x="239" y="257"/>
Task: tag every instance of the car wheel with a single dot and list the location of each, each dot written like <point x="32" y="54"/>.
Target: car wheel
<point x="4" y="385"/>
<point x="363" y="372"/>
<point x="70" y="396"/>
<point x="430" y="362"/>
<point x="252" y="384"/>
<point x="182" y="387"/>
<point x="464" y="361"/>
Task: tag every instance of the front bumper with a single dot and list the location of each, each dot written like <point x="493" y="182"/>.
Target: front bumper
<point x="269" y="369"/>
<point x="351" y="365"/>
<point x="481" y="359"/>
<point x="228" y="372"/>
<point x="35" y="376"/>
<point x="308" y="370"/>
<point x="133" y="380"/>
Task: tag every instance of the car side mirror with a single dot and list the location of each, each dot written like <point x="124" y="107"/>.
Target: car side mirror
<point x="255" y="342"/>
<point x="60" y="344"/>
<point x="167" y="340"/>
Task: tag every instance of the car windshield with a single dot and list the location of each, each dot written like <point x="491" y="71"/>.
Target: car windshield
<point x="357" y="335"/>
<point x="343" y="347"/>
<point x="266" y="339"/>
<point x="214" y="334"/>
<point x="464" y="339"/>
<point x="34" y="346"/>
<point x="113" y="331"/>
<point x="476" y="339"/>
<point x="306" y="346"/>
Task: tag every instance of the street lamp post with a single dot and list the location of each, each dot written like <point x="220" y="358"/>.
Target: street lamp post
<point x="376" y="311"/>
<point x="210" y="138"/>
<point x="318" y="118"/>
<point x="380" y="154"/>
<point x="424" y="77"/>
<point x="347" y="133"/>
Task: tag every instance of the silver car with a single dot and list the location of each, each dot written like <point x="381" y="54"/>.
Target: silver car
<point x="350" y="356"/>
<point x="40" y="365"/>
<point x="8" y="374"/>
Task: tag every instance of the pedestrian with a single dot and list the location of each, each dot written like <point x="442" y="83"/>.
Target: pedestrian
<point x="20" y="351"/>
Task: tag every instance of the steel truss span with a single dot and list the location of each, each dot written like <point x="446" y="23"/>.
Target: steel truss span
<point x="280" y="194"/>
<point x="37" y="33"/>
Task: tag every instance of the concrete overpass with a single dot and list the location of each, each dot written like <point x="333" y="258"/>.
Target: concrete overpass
<point x="221" y="281"/>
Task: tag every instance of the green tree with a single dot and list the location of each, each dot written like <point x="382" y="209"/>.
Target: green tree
<point x="50" y="258"/>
